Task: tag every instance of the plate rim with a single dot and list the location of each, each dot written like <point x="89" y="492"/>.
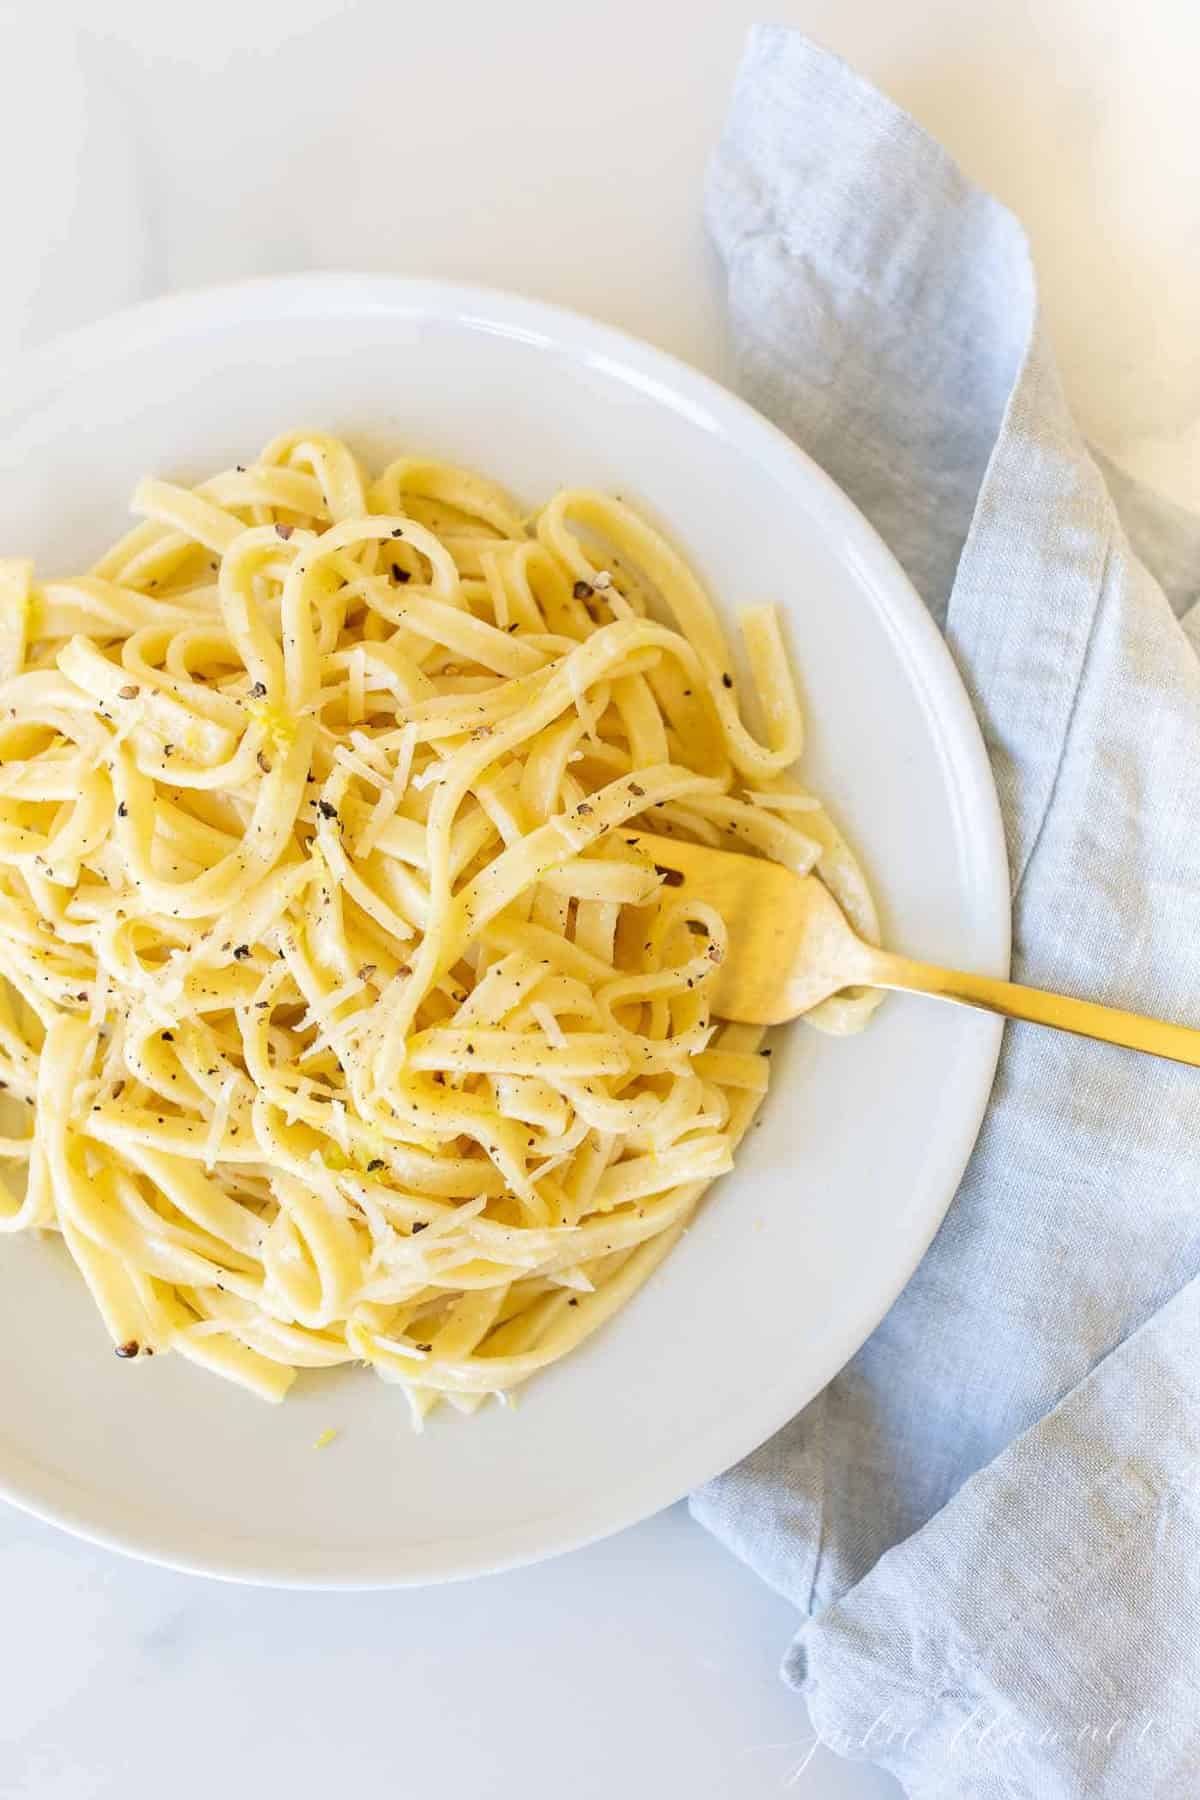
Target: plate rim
<point x="24" y="384"/>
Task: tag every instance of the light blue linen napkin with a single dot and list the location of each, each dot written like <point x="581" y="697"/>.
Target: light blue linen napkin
<point x="990" y="1518"/>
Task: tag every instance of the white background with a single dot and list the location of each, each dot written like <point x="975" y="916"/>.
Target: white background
<point x="555" y="148"/>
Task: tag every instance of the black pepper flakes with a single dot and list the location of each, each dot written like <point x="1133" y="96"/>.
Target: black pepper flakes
<point x="401" y="575"/>
<point x="640" y="792"/>
<point x="242" y="952"/>
<point x="258" y="690"/>
<point x="264" y="762"/>
<point x="284" y="531"/>
<point x="419" y="1225"/>
<point x="168" y="1037"/>
<point x="122" y="811"/>
<point x="583" y="590"/>
<point x="326" y="809"/>
<point x="375" y="1163"/>
<point x="398" y="531"/>
<point x="727" y="681"/>
<point x="573" y="1301"/>
<point x="129" y="1348"/>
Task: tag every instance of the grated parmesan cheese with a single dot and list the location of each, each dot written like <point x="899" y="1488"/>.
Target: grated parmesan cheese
<point x="356" y="686"/>
<point x="100" y="994"/>
<point x="215" y="1135"/>
<point x="427" y="776"/>
<point x="549" y="1024"/>
<point x="784" y="802"/>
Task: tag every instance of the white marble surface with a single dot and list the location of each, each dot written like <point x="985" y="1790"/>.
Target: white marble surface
<point x="146" y="147"/>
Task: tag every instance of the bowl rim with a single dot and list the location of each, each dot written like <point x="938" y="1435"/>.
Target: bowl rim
<point x="35" y="374"/>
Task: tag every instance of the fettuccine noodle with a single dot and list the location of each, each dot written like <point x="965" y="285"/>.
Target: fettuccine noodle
<point x="344" y="1020"/>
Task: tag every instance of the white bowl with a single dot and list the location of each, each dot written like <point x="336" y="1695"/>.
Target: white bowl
<point x="796" y="1255"/>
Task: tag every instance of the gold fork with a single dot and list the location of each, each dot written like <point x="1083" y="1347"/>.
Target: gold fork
<point x="791" y="946"/>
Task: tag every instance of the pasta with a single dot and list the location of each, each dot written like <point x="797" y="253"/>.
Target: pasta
<point x="342" y="1018"/>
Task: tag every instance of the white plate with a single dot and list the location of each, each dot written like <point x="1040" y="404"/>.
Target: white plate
<point x="798" y="1253"/>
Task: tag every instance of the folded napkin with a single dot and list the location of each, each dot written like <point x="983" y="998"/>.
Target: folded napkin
<point x="989" y="1519"/>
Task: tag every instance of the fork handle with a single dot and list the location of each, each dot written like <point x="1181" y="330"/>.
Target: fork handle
<point x="1086" y="1018"/>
